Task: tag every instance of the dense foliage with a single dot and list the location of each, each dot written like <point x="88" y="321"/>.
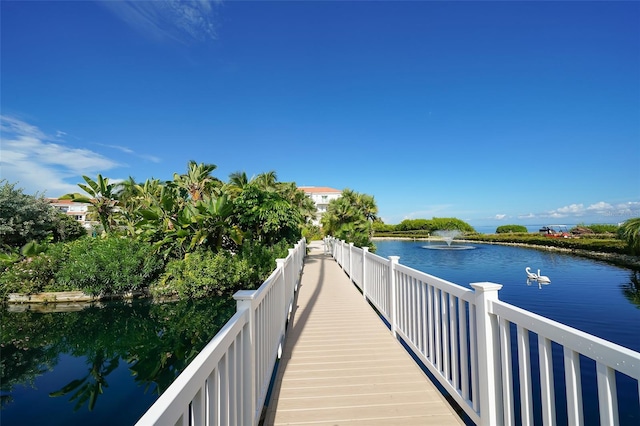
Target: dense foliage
<point x="630" y="232"/>
<point x="350" y="218"/>
<point x="108" y="265"/>
<point x="510" y="229"/>
<point x="96" y="266"/>
<point x="213" y="237"/>
<point x="25" y="218"/>
<point x="424" y="227"/>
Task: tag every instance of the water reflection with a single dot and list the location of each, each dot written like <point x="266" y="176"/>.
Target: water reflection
<point x="90" y="386"/>
<point x="541" y="284"/>
<point x="631" y="290"/>
<point x="153" y="341"/>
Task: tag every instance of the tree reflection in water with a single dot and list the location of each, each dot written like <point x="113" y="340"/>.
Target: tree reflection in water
<point x="156" y="341"/>
<point x="90" y="386"/>
<point x="631" y="290"/>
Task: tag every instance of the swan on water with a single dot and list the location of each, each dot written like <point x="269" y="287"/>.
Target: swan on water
<point x="531" y="275"/>
<point x="543" y="278"/>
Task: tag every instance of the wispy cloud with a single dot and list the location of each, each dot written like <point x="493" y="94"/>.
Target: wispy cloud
<point x="130" y="151"/>
<point x="178" y="20"/>
<point x="597" y="211"/>
<point x="38" y="163"/>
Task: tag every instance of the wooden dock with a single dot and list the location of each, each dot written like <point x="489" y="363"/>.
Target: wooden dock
<point x="341" y="364"/>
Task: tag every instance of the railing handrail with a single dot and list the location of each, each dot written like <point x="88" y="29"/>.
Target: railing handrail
<point x="442" y="322"/>
<point x="182" y="391"/>
<point x="227" y="381"/>
<point x="622" y="359"/>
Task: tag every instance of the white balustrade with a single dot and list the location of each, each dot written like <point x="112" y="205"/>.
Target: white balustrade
<point x="227" y="382"/>
<point x="464" y="338"/>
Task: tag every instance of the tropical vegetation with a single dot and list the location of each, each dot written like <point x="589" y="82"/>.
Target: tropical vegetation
<point x="28" y="223"/>
<point x="510" y="229"/>
<point x="422" y="227"/>
<point x="192" y="236"/>
<point x="351" y="218"/>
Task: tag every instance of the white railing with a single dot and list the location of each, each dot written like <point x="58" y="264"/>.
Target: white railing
<point x="464" y="338"/>
<point x="227" y="382"/>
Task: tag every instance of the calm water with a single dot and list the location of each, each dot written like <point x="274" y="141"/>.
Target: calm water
<point x="106" y="366"/>
<point x="102" y="365"/>
<point x="595" y="297"/>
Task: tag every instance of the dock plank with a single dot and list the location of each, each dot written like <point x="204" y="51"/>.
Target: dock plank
<point x="341" y="365"/>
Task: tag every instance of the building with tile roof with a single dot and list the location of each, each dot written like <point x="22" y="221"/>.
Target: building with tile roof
<point x="74" y="209"/>
<point x="321" y="196"/>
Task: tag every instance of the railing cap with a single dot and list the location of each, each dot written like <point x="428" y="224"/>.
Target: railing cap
<point x="484" y="287"/>
<point x="244" y="294"/>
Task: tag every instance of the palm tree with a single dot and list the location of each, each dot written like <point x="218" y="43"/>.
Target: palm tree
<point x="237" y="182"/>
<point x="198" y="181"/>
<point x="351" y="217"/>
<point x="102" y="197"/>
<point x="266" y="181"/>
<point x="630" y="231"/>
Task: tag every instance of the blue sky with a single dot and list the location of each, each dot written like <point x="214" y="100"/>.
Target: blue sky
<point x="491" y="112"/>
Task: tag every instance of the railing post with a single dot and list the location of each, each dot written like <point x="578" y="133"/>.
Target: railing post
<point x="295" y="270"/>
<point x="393" y="261"/>
<point x="244" y="301"/>
<point x="365" y="250"/>
<point x="350" y="261"/>
<point x="488" y="354"/>
<point x="342" y="242"/>
<point x="284" y="297"/>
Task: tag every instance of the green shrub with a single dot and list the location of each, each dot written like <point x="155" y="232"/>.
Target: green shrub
<point x="604" y="228"/>
<point x="28" y="276"/>
<point x="109" y="265"/>
<point x="431" y="225"/>
<point x="203" y="273"/>
<point x="312" y="232"/>
<point x="200" y="274"/>
<point x="34" y="274"/>
<point x="511" y="229"/>
<point x="66" y="228"/>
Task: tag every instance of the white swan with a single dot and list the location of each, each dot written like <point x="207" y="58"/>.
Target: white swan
<point x="543" y="278"/>
<point x="531" y="275"/>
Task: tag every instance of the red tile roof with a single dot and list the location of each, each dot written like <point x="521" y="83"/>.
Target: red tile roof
<point x="318" y="189"/>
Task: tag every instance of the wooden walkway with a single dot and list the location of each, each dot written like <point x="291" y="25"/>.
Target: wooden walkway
<point x="342" y="366"/>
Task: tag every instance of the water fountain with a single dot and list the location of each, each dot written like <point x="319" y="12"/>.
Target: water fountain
<point x="447" y="236"/>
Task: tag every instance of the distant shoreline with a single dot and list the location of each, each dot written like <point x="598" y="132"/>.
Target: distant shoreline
<point x="624" y="260"/>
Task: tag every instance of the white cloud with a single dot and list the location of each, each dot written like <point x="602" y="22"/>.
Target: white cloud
<point x="600" y="207"/>
<point x="575" y="209"/>
<point x="527" y="216"/>
<point x="38" y="164"/>
<point x="127" y="150"/>
<point x="500" y="216"/>
<point x="600" y="211"/>
<point x="178" y="20"/>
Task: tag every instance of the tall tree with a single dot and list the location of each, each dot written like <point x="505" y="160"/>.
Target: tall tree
<point x="351" y="217"/>
<point x="23" y="217"/>
<point x="267" y="216"/>
<point x="198" y="181"/>
<point x="237" y="182"/>
<point x="102" y="197"/>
